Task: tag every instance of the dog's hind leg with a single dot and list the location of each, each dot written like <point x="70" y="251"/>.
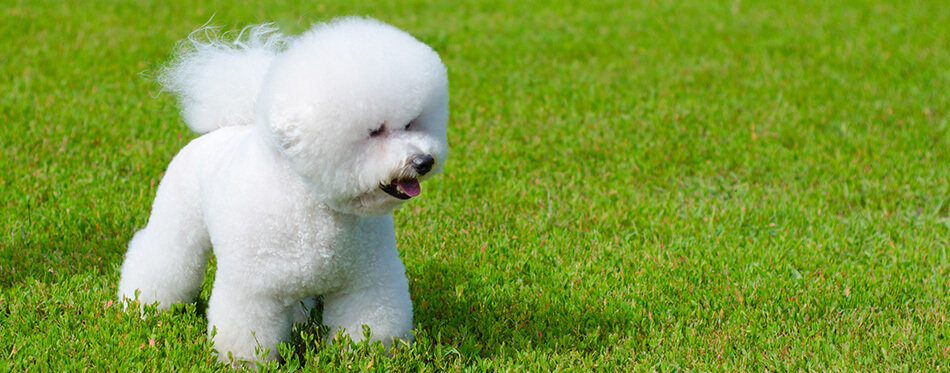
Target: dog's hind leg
<point x="166" y="260"/>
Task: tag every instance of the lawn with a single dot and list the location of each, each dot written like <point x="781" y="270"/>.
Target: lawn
<point x="632" y="186"/>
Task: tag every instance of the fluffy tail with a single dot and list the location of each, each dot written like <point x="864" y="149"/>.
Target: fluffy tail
<point x="218" y="80"/>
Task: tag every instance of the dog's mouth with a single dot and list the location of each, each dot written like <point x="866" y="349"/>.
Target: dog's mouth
<point x="402" y="189"/>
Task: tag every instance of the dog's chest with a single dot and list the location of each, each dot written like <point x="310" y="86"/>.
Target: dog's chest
<point x="323" y="253"/>
<point x="268" y="230"/>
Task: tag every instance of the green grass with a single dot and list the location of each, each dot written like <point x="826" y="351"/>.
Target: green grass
<point x="633" y="186"/>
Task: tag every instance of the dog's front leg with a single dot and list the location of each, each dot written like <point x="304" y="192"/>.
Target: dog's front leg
<point x="246" y="323"/>
<point x="381" y="301"/>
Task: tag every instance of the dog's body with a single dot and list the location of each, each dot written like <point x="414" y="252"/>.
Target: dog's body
<point x="295" y="199"/>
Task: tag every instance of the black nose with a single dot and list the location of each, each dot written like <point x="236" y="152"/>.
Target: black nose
<point x="423" y="163"/>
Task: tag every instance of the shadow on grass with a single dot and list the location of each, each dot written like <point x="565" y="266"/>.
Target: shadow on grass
<point x="483" y="321"/>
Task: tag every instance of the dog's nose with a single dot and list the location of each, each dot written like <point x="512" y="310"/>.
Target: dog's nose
<point x="423" y="163"/>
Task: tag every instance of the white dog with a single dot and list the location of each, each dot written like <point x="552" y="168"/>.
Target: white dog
<point x="313" y="141"/>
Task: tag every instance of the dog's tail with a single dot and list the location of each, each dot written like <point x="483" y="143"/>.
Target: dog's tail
<point x="218" y="78"/>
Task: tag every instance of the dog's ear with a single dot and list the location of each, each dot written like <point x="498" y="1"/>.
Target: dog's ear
<point x="286" y="126"/>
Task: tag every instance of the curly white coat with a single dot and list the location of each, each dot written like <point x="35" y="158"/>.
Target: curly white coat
<point x="312" y="142"/>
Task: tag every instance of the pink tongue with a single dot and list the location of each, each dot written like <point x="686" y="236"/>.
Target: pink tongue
<point x="410" y="187"/>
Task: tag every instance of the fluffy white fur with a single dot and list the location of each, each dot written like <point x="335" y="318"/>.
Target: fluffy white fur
<point x="312" y="142"/>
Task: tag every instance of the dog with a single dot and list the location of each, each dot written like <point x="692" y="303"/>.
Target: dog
<point x="309" y="143"/>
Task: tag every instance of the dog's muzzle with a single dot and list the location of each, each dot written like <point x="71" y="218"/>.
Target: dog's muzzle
<point x="409" y="187"/>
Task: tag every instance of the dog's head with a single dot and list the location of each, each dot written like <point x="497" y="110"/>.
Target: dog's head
<point x="359" y="108"/>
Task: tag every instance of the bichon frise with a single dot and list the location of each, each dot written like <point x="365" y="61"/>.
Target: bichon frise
<point x="312" y="142"/>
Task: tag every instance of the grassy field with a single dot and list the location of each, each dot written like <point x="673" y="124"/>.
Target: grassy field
<point x="633" y="186"/>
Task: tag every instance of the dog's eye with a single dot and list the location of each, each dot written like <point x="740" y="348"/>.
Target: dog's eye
<point x="411" y="124"/>
<point x="378" y="131"/>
